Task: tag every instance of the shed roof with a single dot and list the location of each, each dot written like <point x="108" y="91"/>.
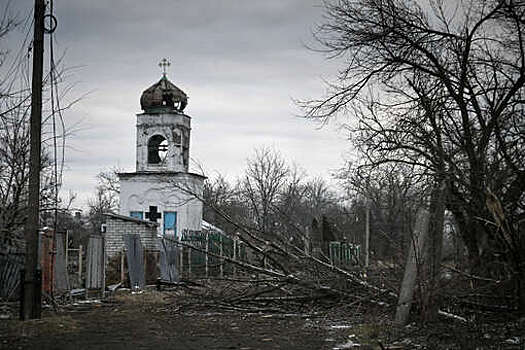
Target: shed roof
<point x="129" y="218"/>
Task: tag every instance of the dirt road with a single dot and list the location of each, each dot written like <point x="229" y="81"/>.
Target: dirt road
<point x="154" y="321"/>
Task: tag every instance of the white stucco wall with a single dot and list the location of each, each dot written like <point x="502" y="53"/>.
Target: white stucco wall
<point x="168" y="191"/>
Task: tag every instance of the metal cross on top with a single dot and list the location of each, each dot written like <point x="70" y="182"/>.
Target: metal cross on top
<point x="164" y="64"/>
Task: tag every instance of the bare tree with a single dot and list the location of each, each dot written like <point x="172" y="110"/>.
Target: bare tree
<point x="14" y="171"/>
<point x="438" y="86"/>
<point x="106" y="197"/>
<point x="220" y="195"/>
<point x="392" y="198"/>
<point x="14" y="138"/>
<point x="108" y="181"/>
<point x="265" y="176"/>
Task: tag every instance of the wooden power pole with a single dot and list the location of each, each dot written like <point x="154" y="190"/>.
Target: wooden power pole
<point x="31" y="301"/>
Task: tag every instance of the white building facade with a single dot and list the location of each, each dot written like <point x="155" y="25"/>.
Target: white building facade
<point x="161" y="189"/>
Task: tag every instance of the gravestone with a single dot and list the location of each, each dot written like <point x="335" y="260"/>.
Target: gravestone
<point x="135" y="255"/>
<point x="169" y="257"/>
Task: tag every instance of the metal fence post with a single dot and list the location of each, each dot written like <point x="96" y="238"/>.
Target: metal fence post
<point x="207" y="248"/>
<point x="221" y="247"/>
<point x="66" y="249"/>
<point x="22" y="292"/>
<point x="122" y="274"/>
<point x="80" y="265"/>
<point x="180" y="251"/>
<point x="235" y="245"/>
<point x="38" y="293"/>
<point x="189" y="262"/>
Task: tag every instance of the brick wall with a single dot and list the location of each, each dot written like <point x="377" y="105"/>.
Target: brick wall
<point x="118" y="225"/>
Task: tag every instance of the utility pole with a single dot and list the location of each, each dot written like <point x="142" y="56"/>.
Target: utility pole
<point x="31" y="301"/>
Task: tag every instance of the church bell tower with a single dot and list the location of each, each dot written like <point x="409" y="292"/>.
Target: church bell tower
<point x="162" y="189"/>
<point x="163" y="130"/>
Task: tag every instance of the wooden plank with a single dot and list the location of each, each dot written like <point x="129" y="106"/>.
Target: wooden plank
<point x="95" y="263"/>
<point x="415" y="256"/>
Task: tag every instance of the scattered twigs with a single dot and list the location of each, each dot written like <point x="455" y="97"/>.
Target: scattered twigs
<point x="253" y="294"/>
<point x="474" y="277"/>
<point x="312" y="281"/>
<point x="289" y="272"/>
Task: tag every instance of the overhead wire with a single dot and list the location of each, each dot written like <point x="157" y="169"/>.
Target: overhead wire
<point x="63" y="127"/>
<point x="55" y="110"/>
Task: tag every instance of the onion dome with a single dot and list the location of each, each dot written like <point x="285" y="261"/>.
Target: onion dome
<point x="163" y="95"/>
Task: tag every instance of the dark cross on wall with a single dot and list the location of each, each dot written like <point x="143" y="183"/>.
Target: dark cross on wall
<point x="153" y="214"/>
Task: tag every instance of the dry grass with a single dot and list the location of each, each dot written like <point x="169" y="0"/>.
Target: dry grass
<point x="151" y="297"/>
<point x="369" y="333"/>
<point x="49" y="326"/>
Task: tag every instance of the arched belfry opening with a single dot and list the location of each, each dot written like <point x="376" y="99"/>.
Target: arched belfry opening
<point x="157" y="149"/>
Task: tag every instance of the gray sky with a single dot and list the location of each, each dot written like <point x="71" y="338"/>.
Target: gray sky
<point x="240" y="61"/>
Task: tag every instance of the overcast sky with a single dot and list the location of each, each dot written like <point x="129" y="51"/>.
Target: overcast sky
<point x="241" y="62"/>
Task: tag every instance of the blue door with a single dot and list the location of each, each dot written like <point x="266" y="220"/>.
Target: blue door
<point x="136" y="215"/>
<point x="170" y="223"/>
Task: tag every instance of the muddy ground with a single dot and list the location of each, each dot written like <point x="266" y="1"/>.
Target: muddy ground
<point x="173" y="320"/>
<point x="154" y="320"/>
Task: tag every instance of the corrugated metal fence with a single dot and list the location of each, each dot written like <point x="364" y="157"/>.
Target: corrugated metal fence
<point x="11" y="262"/>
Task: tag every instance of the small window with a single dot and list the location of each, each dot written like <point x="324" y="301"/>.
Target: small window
<point x="137" y="214"/>
<point x="157" y="149"/>
<point x="170" y="223"/>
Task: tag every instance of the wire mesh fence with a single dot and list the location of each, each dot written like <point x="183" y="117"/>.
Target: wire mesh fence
<point x="203" y="253"/>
